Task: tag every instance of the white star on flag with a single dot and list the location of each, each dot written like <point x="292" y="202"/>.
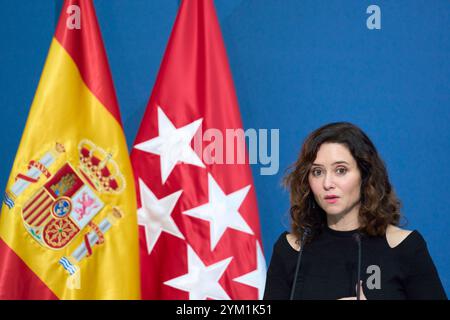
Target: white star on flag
<point x="155" y="215"/>
<point x="201" y="281"/>
<point x="172" y="145"/>
<point x="221" y="211"/>
<point x="256" y="278"/>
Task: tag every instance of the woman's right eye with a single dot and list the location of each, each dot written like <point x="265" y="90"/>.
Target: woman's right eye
<point x="316" y="172"/>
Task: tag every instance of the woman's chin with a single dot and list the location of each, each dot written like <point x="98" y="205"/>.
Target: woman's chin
<point x="333" y="211"/>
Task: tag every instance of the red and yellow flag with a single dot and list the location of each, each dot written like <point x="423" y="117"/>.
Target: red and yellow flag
<point x="68" y="226"/>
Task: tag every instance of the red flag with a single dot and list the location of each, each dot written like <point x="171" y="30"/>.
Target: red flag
<point x="199" y="228"/>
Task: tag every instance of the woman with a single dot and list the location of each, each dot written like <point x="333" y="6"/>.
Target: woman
<point x="344" y="209"/>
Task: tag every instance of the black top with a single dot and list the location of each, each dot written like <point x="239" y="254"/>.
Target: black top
<point x="329" y="263"/>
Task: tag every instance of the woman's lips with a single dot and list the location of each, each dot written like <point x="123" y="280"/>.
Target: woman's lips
<point x="331" y="199"/>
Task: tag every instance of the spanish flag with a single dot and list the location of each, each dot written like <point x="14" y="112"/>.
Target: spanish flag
<point x="68" y="225"/>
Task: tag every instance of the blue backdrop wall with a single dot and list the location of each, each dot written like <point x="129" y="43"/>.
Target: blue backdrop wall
<point x="296" y="65"/>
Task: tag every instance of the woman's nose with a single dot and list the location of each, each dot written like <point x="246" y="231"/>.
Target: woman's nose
<point x="328" y="182"/>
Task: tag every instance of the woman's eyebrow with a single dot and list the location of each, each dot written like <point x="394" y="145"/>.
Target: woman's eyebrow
<point x="334" y="163"/>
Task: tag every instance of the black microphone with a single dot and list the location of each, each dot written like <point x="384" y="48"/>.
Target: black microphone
<point x="306" y="233"/>
<point x="357" y="238"/>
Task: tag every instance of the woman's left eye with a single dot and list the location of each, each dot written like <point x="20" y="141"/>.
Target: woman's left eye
<point x="341" y="170"/>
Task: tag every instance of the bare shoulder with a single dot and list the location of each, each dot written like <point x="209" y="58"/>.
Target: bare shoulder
<point x="292" y="240"/>
<point x="396" y="235"/>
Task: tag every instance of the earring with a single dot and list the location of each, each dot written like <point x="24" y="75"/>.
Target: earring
<point x="314" y="204"/>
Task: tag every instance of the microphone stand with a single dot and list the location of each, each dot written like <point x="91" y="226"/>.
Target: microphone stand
<point x="299" y="258"/>
<point x="357" y="238"/>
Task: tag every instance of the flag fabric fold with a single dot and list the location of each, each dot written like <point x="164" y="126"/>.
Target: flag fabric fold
<point x="68" y="227"/>
<point x="197" y="213"/>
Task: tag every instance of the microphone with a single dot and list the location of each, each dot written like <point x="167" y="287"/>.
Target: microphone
<point x="306" y="233"/>
<point x="357" y="238"/>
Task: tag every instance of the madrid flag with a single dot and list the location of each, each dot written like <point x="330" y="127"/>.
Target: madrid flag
<point x="197" y="213"/>
<point x="68" y="227"/>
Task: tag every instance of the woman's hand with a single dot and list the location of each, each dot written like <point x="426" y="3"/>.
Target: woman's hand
<point x="361" y="294"/>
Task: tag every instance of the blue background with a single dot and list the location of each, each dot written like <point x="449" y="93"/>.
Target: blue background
<point x="296" y="65"/>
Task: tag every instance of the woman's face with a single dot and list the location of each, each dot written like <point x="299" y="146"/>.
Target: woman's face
<point x="335" y="179"/>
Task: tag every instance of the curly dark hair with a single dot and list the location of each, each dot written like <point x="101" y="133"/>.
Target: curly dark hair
<point x="379" y="204"/>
